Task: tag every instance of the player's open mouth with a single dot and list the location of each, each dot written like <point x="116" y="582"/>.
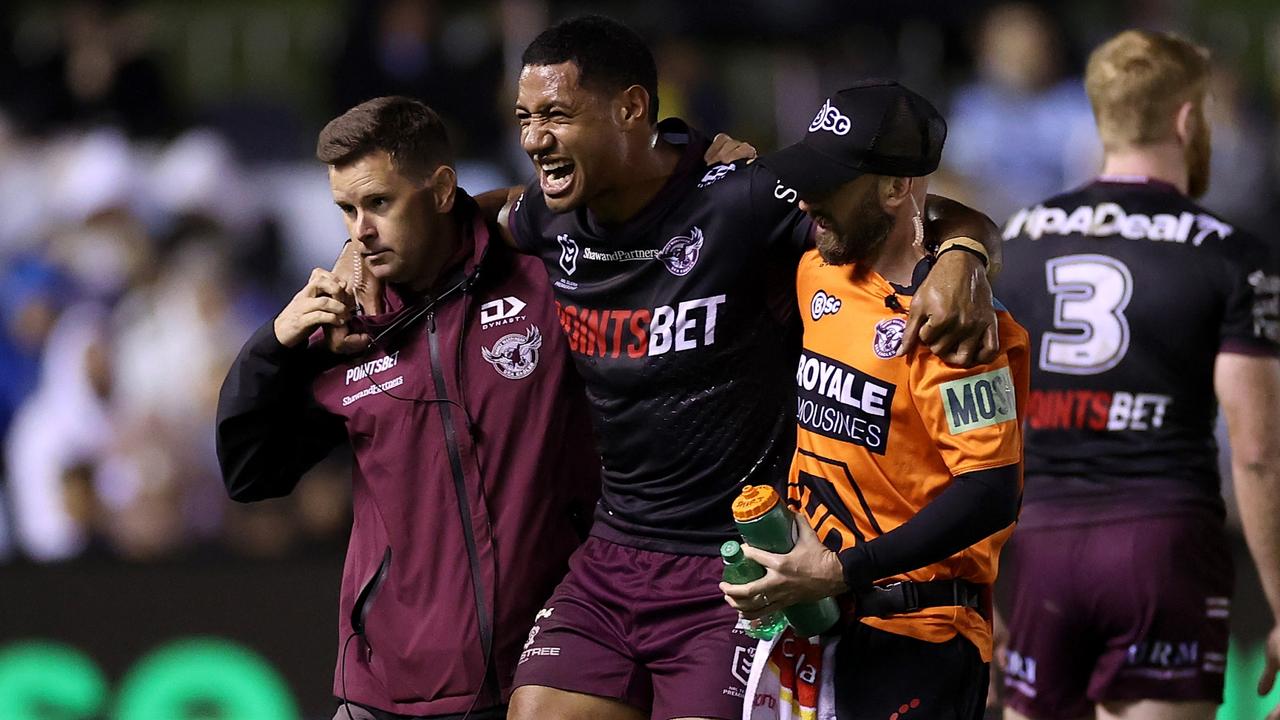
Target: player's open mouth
<point x="557" y="176"/>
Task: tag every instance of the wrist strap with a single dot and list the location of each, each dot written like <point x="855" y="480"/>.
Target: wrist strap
<point x="982" y="256"/>
<point x="964" y="243"/>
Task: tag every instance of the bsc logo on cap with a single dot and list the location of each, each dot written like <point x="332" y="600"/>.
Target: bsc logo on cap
<point x="829" y="118"/>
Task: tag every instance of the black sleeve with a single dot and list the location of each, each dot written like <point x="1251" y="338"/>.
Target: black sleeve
<point x="974" y="506"/>
<point x="1251" y="312"/>
<point x="775" y="213"/>
<point x="270" y="430"/>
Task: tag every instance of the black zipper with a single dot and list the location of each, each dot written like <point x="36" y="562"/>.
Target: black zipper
<point x="364" y="601"/>
<point x="460" y="489"/>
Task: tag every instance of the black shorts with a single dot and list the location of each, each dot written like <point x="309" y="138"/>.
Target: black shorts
<point x="885" y="676"/>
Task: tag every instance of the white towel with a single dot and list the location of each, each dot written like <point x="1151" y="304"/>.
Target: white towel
<point x="791" y="679"/>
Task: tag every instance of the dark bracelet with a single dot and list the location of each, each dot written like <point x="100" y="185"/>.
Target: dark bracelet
<point x="969" y="250"/>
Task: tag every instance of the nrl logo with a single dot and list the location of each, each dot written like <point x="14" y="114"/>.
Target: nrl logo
<point x="514" y="356"/>
<point x="741" y="668"/>
<point x="568" y="253"/>
<point x="681" y="253"/>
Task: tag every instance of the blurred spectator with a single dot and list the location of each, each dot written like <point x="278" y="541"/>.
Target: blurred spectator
<point x="85" y="509"/>
<point x="198" y="175"/>
<point x="66" y="424"/>
<point x="176" y="337"/>
<point x="1020" y="132"/>
<point x="148" y="484"/>
<point x="32" y="292"/>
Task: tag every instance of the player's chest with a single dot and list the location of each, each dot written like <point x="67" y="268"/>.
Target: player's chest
<point x="684" y="256"/>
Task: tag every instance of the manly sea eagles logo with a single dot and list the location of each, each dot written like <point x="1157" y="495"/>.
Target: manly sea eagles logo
<point x="888" y="338"/>
<point x="515" y="355"/>
<point x="716" y="173"/>
<point x="681" y="253"/>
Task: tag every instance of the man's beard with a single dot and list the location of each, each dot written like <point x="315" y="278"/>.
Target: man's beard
<point x="861" y="239"/>
<point x="1198" y="154"/>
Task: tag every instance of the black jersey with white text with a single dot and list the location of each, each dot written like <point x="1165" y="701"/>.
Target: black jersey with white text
<point x="1129" y="290"/>
<point x="681" y="323"/>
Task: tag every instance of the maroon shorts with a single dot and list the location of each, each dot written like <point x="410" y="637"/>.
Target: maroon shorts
<point x="648" y="628"/>
<point x="1117" y="611"/>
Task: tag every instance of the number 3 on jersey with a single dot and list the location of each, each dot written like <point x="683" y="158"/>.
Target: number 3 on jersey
<point x="1090" y="295"/>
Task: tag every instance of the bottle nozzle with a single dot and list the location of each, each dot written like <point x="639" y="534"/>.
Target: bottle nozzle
<point x="753" y="502"/>
<point x="731" y="552"/>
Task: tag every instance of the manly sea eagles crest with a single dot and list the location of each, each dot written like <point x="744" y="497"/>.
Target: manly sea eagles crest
<point x="681" y="253"/>
<point x="515" y="355"/>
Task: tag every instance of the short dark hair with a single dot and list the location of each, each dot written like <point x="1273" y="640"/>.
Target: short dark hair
<point x="610" y="56"/>
<point x="406" y="129"/>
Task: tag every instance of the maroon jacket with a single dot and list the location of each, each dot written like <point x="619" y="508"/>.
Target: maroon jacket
<point x="475" y="472"/>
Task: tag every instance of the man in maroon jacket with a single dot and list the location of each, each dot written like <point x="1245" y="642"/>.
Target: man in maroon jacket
<point x="474" y="459"/>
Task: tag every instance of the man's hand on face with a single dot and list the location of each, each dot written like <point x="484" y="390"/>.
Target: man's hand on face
<point x="809" y="572"/>
<point x="322" y="302"/>
<point x="952" y="313"/>
<point x="366" y="289"/>
<point x="725" y="149"/>
<point x="366" y="294"/>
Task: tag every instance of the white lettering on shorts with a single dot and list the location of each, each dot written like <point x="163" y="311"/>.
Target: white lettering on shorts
<point x="529" y="651"/>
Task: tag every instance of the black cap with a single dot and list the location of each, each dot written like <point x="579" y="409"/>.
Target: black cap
<point x="875" y="126"/>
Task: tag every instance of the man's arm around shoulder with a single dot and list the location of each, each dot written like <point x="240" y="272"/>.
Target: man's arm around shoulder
<point x="952" y="312"/>
<point x="496" y="207"/>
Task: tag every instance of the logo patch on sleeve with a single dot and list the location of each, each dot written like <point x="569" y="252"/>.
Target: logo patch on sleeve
<point x="979" y="401"/>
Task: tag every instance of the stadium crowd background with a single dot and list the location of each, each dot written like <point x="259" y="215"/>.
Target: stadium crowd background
<point x="158" y="201"/>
